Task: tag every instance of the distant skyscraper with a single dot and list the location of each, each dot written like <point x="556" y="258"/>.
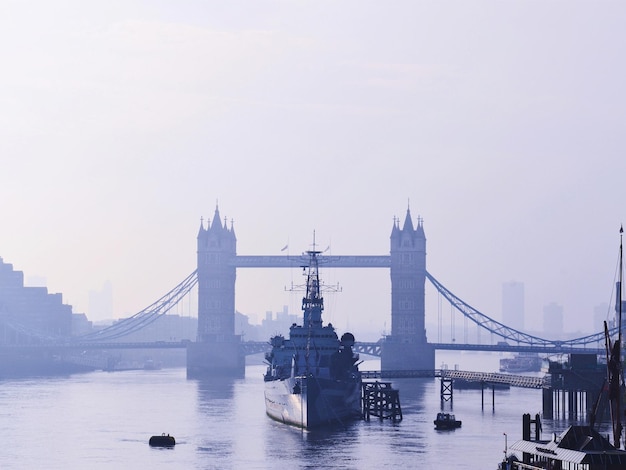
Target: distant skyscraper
<point x="513" y="304"/>
<point x="553" y="321"/>
<point x="101" y="303"/>
<point x="601" y="313"/>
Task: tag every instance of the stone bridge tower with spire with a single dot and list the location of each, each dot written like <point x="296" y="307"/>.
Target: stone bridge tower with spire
<point x="407" y="347"/>
<point x="217" y="350"/>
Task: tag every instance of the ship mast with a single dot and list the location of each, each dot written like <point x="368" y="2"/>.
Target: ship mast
<point x="614" y="360"/>
<point x="312" y="302"/>
<point x="617" y="432"/>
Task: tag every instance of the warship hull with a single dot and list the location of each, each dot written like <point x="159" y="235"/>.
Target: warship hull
<point x="309" y="402"/>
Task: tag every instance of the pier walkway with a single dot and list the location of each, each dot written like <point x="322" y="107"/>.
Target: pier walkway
<point x="523" y="381"/>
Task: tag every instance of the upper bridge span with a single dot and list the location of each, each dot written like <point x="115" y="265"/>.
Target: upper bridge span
<point x="287" y="261"/>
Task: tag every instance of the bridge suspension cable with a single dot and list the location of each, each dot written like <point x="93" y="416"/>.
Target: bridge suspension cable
<point x="146" y="316"/>
<point x="160" y="307"/>
<point x="507" y="332"/>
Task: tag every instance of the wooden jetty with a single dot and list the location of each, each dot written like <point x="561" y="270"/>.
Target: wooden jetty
<point x="381" y="400"/>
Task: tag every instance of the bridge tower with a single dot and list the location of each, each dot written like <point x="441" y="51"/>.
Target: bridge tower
<point x="407" y="347"/>
<point x="217" y="350"/>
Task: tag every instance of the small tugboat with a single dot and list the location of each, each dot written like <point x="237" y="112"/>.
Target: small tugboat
<point x="446" y="421"/>
<point x="312" y="377"/>
<point x="162" y="441"/>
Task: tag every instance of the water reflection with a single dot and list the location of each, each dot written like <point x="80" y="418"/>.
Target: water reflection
<point x="412" y="392"/>
<point x="233" y="427"/>
<point x="215" y="404"/>
<point x="331" y="446"/>
<point x="401" y="438"/>
<point x="357" y="444"/>
<point x="216" y="388"/>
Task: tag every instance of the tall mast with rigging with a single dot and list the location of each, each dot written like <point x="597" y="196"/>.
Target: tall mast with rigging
<point x="614" y="360"/>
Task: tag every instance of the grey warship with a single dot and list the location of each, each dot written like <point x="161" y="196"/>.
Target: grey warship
<point x="312" y="377"/>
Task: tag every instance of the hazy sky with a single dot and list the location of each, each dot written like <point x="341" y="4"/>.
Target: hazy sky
<point x="502" y="122"/>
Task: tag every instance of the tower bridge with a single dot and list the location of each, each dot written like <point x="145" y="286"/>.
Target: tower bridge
<point x="218" y="350"/>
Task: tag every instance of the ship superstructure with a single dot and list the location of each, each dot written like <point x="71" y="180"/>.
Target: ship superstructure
<point x="312" y="377"/>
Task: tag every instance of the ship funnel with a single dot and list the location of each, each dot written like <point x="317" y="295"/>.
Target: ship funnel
<point x="347" y="339"/>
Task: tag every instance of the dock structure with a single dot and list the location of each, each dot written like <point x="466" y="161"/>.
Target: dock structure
<point x="486" y="380"/>
<point x="569" y="390"/>
<point x="575" y="387"/>
<point x="447" y="376"/>
<point x="488" y="377"/>
<point x="379" y="399"/>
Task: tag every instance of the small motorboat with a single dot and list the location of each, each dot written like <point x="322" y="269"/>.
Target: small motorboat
<point x="164" y="440"/>
<point x="446" y="421"/>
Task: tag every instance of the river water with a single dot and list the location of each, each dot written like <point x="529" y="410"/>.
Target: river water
<point x="104" y="420"/>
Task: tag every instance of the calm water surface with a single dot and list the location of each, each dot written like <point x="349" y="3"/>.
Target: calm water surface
<point x="104" y="420"/>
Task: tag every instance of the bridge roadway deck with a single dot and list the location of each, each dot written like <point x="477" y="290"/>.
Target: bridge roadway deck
<point x="522" y="381"/>
<point x="254" y="347"/>
<point x="96" y="345"/>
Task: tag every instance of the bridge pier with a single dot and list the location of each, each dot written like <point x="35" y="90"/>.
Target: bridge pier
<point x="396" y="355"/>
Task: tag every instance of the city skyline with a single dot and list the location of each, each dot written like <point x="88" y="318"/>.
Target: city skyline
<point x="511" y="314"/>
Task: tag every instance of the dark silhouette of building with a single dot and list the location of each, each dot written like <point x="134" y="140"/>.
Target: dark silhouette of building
<point x="601" y="313"/>
<point x="30" y="314"/>
<point x="553" y="320"/>
<point x="272" y="325"/>
<point x="513" y="304"/>
<point x="101" y="303"/>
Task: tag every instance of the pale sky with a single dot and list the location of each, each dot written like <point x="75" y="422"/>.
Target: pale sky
<point x="501" y="123"/>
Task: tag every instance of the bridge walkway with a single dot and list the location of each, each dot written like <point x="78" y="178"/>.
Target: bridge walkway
<point x="522" y="381"/>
